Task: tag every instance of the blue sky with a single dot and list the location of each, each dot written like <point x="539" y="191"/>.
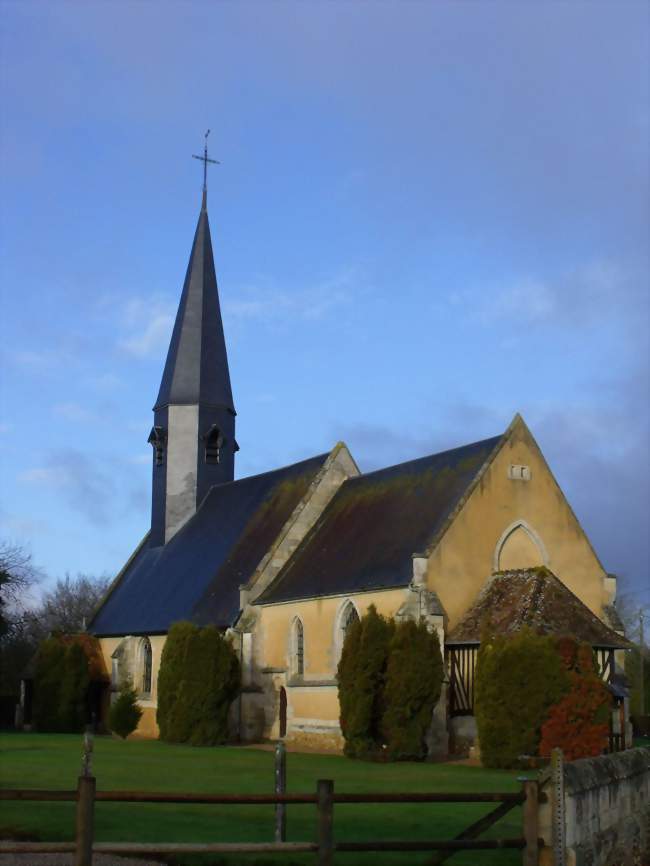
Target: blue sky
<point x="428" y="216"/>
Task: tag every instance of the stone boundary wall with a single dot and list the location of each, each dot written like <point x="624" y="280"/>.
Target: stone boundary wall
<point x="607" y="809"/>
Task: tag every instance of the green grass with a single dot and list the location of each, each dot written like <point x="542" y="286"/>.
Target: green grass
<point x="53" y="761"/>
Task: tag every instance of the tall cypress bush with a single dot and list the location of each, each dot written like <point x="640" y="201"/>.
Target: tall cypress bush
<point x="414" y="675"/>
<point x="198" y="680"/>
<point x="518" y="679"/>
<point x="60" y="686"/>
<point x="361" y="676"/>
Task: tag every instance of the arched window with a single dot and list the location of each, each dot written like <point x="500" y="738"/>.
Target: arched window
<point x="146" y="660"/>
<point x="298" y="648"/>
<point x="347" y="617"/>
<point x="519" y="547"/>
<point x="214" y="441"/>
<point x="158" y="439"/>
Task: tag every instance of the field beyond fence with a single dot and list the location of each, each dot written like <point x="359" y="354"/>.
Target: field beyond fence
<point x="53" y="762"/>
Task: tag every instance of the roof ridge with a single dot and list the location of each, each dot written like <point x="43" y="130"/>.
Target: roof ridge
<point x="322" y="456"/>
<point x="425" y="457"/>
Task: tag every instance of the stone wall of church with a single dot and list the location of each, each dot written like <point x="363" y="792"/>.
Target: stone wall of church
<point x="312" y="707"/>
<point x="516" y="516"/>
<point x="123" y="658"/>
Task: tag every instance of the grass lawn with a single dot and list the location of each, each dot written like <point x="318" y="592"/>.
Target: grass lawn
<point x="54" y="760"/>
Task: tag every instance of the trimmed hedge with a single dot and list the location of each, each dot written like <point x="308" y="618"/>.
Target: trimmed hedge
<point x="198" y="680"/>
<point x="60" y="687"/>
<point x="390" y="678"/>
<point x="124" y="714"/>
<point x="518" y="679"/>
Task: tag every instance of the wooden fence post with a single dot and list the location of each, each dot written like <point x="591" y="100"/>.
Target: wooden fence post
<point x="325" y="806"/>
<point x="531" y="823"/>
<point x="558" y="807"/>
<point x="85" y="821"/>
<point x="280" y="788"/>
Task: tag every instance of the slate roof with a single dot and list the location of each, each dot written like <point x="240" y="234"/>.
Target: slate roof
<point x="196" y="369"/>
<point x="197" y="574"/>
<point x="366" y="536"/>
<point x="536" y="598"/>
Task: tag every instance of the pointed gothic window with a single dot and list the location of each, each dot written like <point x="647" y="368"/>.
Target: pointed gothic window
<point x="298" y="648"/>
<point x="146" y="661"/>
<point x="158" y="439"/>
<point x="214" y="441"/>
<point x="347" y="617"/>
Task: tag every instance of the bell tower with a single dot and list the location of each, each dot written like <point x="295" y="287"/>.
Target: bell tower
<point x="193" y="435"/>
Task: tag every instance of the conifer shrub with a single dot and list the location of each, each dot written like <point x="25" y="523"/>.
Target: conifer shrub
<point x="60" y="686"/>
<point x="361" y="675"/>
<point x="125" y="713"/>
<point x="518" y="679"/>
<point x="198" y="680"/>
<point x="578" y="723"/>
<point x="413" y="683"/>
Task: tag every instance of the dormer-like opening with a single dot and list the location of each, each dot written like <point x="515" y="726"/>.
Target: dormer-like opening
<point x="158" y="440"/>
<point x="214" y="442"/>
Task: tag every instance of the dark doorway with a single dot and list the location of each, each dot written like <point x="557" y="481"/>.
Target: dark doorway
<point x="283" y="712"/>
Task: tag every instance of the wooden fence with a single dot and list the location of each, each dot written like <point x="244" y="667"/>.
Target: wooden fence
<point x="324" y="846"/>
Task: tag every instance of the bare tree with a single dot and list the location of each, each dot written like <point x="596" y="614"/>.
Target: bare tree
<point x="18" y="577"/>
<point x="70" y="605"/>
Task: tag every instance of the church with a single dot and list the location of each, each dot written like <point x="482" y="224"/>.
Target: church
<point x="284" y="561"/>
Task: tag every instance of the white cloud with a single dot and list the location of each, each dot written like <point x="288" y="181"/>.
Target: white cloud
<point x="314" y="302"/>
<point x="52" y="476"/>
<point x="105" y="382"/>
<point x="31" y="359"/>
<point x="73" y="412"/>
<point x="582" y="294"/>
<point x="140" y="459"/>
<point x="147" y="322"/>
<point x="151" y="341"/>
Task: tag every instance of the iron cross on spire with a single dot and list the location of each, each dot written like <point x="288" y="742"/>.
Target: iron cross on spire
<point x="204" y="159"/>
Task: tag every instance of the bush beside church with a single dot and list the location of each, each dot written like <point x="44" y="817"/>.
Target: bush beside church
<point x="535" y="693"/>
<point x="61" y="686"/>
<point x="389" y="681"/>
<point x="198" y="680"/>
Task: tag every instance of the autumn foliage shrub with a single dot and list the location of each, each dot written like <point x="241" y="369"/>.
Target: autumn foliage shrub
<point x="518" y="678"/>
<point x="578" y="723"/>
<point x="198" y="680"/>
<point x="390" y="678"/>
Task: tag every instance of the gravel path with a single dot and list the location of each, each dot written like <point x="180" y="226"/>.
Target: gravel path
<point x="67" y="860"/>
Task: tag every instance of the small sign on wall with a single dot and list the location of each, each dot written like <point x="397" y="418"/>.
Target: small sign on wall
<point x="518" y="472"/>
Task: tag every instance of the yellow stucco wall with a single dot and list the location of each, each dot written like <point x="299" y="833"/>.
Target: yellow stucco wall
<point x="147" y="726"/>
<point x="464" y="558"/>
<point x="319" y="618"/>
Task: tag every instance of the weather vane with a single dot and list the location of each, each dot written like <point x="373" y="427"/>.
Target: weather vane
<point x="204" y="159"/>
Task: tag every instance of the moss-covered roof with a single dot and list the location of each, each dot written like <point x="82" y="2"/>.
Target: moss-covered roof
<point x="533" y="598"/>
<point x="366" y="537"/>
<point x="197" y="574"/>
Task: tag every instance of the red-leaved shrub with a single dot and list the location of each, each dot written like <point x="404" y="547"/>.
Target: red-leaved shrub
<point x="578" y="723"/>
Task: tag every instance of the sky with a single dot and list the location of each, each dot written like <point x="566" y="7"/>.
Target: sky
<point x="427" y="217"/>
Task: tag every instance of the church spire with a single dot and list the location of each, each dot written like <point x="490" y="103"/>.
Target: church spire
<point x="193" y="436"/>
<point x="196" y="370"/>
